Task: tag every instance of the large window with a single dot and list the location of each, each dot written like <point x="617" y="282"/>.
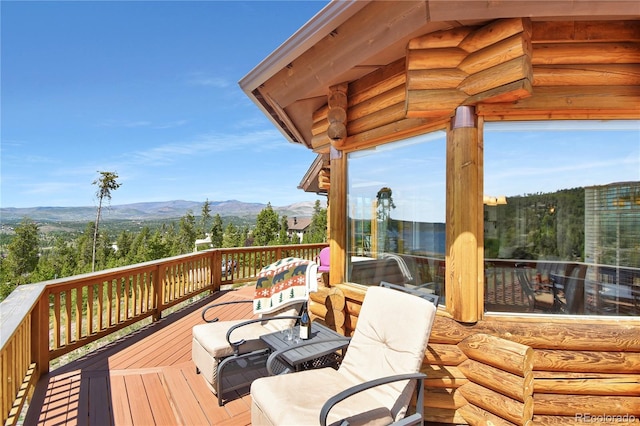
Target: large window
<point x="396" y="213"/>
<point x="562" y="217"/>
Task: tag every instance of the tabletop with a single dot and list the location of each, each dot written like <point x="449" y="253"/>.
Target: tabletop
<point x="322" y="341"/>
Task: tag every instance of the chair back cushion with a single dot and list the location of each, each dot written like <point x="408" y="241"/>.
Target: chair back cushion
<point x="390" y="338"/>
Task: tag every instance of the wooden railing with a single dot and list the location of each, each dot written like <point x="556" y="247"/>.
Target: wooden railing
<point x="40" y="322"/>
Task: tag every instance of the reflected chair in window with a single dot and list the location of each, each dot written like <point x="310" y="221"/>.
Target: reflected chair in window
<point x="539" y="300"/>
<point x="376" y="379"/>
<point x="221" y="349"/>
<point x="570" y="298"/>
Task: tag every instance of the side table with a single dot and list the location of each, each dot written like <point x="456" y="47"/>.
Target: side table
<point x="320" y="350"/>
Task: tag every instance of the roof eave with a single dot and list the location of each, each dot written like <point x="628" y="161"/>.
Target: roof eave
<point x="318" y="27"/>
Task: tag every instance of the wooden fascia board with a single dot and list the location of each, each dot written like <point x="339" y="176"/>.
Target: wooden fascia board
<point x="460" y="10"/>
<point x="318" y="27"/>
<point x="370" y="31"/>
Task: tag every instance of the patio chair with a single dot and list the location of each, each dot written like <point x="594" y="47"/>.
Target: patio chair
<point x="323" y="260"/>
<point x="538" y="300"/>
<point x="376" y="379"/>
<point x="221" y="348"/>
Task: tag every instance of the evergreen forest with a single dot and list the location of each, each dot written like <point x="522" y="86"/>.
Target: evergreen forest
<point x="34" y="252"/>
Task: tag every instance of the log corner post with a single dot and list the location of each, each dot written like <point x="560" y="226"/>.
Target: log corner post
<point x="337" y="220"/>
<point x="464" y="242"/>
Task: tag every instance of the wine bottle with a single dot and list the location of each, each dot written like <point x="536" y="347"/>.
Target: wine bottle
<point x="305" y="324"/>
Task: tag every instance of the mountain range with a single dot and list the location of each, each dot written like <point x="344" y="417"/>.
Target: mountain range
<point x="152" y="210"/>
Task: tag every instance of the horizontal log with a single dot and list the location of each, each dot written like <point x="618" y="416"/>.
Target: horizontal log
<point x="571" y="405"/>
<point x="396" y="130"/>
<point x="433" y="103"/>
<point x="498" y="404"/>
<point x="438" y="371"/>
<point x="444" y="415"/>
<point x="504" y="354"/>
<point x="398" y="80"/>
<point x="393" y="96"/>
<point x="441" y="39"/>
<point x="377" y="81"/>
<point x="495" y="32"/>
<point x="428" y="59"/>
<point x="586" y="383"/>
<point x="577" y="100"/>
<point x="379" y="118"/>
<point x="320" y="114"/>
<point x="444" y="354"/>
<point x="444" y="382"/>
<point x="585" y="53"/>
<point x="508" y="72"/>
<point x="442" y="78"/>
<point x="587" y="75"/>
<point x="582" y="419"/>
<point x="477" y="416"/>
<point x="586" y="361"/>
<point x="589" y="31"/>
<point x="443" y="398"/>
<point x="501" y="52"/>
<point x="321" y="143"/>
<point x="511" y="385"/>
<point x="507" y="93"/>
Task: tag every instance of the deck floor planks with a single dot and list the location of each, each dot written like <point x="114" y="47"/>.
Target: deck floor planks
<point x="120" y="402"/>
<point x="189" y="411"/>
<point x="98" y="393"/>
<point x="138" y="400"/>
<point x="207" y="399"/>
<point x="145" y="378"/>
<point x="158" y="399"/>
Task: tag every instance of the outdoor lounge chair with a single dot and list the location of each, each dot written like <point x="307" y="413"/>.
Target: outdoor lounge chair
<point x="375" y="380"/>
<point x="221" y="348"/>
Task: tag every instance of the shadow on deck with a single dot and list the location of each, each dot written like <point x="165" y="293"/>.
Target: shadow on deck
<point x="145" y="378"/>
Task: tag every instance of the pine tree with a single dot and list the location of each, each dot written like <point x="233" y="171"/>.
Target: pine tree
<point x="22" y="256"/>
<point x="106" y="183"/>
<point x="267" y="227"/>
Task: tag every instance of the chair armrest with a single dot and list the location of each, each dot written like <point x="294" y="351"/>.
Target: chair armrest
<point x="324" y="412"/>
<point x="236" y="345"/>
<point x="204" y="311"/>
<point x="274" y="355"/>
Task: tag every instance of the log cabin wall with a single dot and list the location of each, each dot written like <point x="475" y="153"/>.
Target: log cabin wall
<point x="511" y="69"/>
<point x="515" y="370"/>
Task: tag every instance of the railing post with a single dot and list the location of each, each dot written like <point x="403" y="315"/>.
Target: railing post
<point x="40" y="334"/>
<point x="158" y="290"/>
<point x="216" y="270"/>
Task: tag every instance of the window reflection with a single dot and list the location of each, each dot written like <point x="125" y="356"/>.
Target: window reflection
<point x="396" y="210"/>
<point x="566" y="239"/>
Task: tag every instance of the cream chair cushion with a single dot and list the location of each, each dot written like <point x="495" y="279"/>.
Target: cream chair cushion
<point x="390" y="338"/>
<point x="209" y="344"/>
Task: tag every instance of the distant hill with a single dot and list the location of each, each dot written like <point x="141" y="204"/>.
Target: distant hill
<point x="150" y="211"/>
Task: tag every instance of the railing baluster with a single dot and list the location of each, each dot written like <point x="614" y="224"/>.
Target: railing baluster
<point x="78" y="319"/>
<point x="67" y="319"/>
<point x="90" y="311"/>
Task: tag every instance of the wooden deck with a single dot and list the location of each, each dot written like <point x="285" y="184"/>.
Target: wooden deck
<point x="147" y="378"/>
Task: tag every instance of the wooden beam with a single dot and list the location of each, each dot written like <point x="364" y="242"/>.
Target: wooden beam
<point x="587" y="31"/>
<point x="463" y="204"/>
<point x="338" y="217"/>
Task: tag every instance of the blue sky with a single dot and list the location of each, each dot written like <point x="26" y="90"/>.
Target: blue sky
<point x="148" y="90"/>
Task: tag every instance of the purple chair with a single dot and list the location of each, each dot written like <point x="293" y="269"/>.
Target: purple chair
<point x="323" y="260"/>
